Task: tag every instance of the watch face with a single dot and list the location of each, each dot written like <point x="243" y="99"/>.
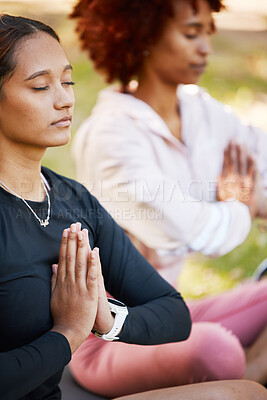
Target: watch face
<point x="116" y="302"/>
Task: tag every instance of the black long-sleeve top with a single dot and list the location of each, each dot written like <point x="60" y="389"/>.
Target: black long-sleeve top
<point x="32" y="358"/>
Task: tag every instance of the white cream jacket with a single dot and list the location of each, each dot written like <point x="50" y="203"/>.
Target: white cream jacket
<point x="162" y="191"/>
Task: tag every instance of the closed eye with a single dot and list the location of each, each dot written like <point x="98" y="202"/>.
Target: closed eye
<point x="68" y="83"/>
<point x="191" y="36"/>
<point x="40" y="88"/>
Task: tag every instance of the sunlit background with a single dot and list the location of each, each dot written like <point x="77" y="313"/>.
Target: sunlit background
<point x="237" y="75"/>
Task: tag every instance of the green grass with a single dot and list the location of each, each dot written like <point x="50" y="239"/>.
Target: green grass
<point x="203" y="275"/>
<point x="239" y="61"/>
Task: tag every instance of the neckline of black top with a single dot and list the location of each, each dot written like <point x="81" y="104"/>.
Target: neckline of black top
<point x="13" y="200"/>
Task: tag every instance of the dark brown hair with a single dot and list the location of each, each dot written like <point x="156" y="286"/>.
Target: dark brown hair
<point x="117" y="33"/>
<point x="12" y="31"/>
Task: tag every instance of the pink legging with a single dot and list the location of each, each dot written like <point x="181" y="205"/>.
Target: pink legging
<point x="222" y="326"/>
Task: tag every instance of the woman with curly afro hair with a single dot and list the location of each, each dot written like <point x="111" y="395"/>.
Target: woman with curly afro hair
<point x="152" y="151"/>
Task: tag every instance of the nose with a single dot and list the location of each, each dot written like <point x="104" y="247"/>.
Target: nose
<point x="205" y="47"/>
<point x="64" y="97"/>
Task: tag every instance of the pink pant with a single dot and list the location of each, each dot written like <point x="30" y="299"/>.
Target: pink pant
<point x="222" y="326"/>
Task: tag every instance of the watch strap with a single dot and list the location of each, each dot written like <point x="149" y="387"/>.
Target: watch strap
<point x="120" y="312"/>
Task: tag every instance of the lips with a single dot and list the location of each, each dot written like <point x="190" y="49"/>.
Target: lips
<point x="200" y="68"/>
<point x="63" y="122"/>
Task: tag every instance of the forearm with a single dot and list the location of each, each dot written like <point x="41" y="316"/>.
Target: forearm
<point x="157" y="312"/>
<point x="164" y="320"/>
<point x="25" y="368"/>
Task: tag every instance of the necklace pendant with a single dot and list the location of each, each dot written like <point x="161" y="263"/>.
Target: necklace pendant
<point x="44" y="223"/>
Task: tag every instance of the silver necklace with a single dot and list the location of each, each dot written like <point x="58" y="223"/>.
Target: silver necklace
<point x="42" y="222"/>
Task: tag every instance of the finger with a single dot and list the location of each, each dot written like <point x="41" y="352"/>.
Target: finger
<point x="225" y="169"/>
<point x="87" y="238"/>
<point x="71" y="252"/>
<point x="54" y="277"/>
<point x="233" y="165"/>
<point x="92" y="273"/>
<point x="85" y="232"/>
<point x="251" y="170"/>
<point x="62" y="258"/>
<point x="79" y="226"/>
<point x="244" y="160"/>
<point x="96" y="251"/>
<point x="100" y="281"/>
<point x="239" y="159"/>
<point x="94" y="258"/>
<point x="230" y="159"/>
<point x="101" y="285"/>
<point x="94" y="254"/>
<point x="81" y="260"/>
<point x="250" y="179"/>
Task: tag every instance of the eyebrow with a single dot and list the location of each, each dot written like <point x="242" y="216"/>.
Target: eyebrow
<point x="198" y="25"/>
<point x="46" y="72"/>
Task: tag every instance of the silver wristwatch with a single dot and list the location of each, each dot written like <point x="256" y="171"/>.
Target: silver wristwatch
<point x="120" y="312"/>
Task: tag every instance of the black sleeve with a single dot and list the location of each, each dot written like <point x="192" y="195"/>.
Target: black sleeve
<point x="25" y="368"/>
<point x="157" y="312"/>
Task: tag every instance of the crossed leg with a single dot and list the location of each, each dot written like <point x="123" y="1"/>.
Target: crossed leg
<point x="213" y="351"/>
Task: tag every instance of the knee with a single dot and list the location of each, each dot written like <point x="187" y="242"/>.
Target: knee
<point x="217" y="352"/>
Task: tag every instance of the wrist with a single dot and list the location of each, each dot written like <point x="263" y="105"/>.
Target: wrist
<point x="120" y="311"/>
<point x="73" y="336"/>
<point x="106" y="327"/>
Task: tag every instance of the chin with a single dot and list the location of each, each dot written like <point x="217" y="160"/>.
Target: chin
<point x="192" y="80"/>
<point x="61" y="139"/>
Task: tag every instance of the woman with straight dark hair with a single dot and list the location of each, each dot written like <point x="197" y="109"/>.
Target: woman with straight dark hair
<point x="43" y="323"/>
<point x="38" y="208"/>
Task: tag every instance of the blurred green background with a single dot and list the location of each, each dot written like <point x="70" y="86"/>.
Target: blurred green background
<point x="237" y="75"/>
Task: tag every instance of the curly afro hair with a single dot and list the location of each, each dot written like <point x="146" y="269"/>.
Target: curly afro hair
<point x="116" y="33"/>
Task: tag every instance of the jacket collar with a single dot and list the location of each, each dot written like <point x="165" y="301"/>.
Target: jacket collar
<point x="112" y="102"/>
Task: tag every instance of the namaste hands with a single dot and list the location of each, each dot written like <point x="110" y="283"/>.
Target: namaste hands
<point x="78" y="296"/>
<point x="238" y="178"/>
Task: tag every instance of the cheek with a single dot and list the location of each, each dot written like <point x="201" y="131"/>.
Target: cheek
<point x="181" y="51"/>
<point x="173" y="57"/>
<point x="19" y="116"/>
<point x="29" y="111"/>
<point x="174" y="44"/>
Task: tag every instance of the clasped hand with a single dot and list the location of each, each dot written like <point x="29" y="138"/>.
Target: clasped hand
<point x="239" y="179"/>
<point x="78" y="297"/>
